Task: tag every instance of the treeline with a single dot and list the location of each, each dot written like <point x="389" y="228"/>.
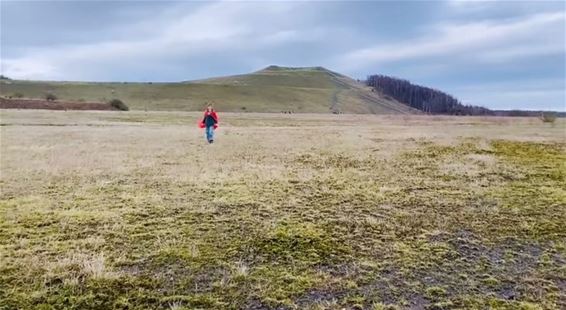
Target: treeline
<point x="529" y="113"/>
<point x="423" y="98"/>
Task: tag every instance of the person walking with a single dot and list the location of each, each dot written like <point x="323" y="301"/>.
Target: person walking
<point x="210" y="123"/>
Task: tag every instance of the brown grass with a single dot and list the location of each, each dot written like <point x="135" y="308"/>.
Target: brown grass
<point x="111" y="210"/>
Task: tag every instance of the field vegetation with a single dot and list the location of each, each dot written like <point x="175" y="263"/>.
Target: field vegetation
<point x="273" y="89"/>
<point x="134" y="210"/>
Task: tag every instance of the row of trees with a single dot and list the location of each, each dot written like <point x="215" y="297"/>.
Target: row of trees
<point x="423" y="98"/>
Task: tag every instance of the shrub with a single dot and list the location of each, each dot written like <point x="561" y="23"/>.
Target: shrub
<point x="18" y="95"/>
<point x="119" y="104"/>
<point x="548" y="117"/>
<point x="50" y="97"/>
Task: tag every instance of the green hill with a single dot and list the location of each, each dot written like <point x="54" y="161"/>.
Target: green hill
<point x="273" y="89"/>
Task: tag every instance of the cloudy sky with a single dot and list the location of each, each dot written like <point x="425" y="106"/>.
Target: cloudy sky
<point x="498" y="54"/>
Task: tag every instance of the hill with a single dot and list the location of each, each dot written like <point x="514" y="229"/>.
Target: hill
<point x="272" y="89"/>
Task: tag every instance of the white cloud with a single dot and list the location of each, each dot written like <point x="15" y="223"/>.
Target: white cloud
<point x="529" y="94"/>
<point x="506" y="54"/>
<point x="185" y="32"/>
<point x="489" y="41"/>
<point x="471" y="4"/>
<point x="518" y="99"/>
<point x="185" y="41"/>
<point x="29" y="67"/>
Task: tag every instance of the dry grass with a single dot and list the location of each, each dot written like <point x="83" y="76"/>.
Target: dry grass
<point x="103" y="210"/>
<point x="310" y="90"/>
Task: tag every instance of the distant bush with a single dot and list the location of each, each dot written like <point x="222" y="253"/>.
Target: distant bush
<point x="50" y="97"/>
<point x="548" y="117"/>
<point x="18" y="95"/>
<point x="119" y="104"/>
<point x="3" y="77"/>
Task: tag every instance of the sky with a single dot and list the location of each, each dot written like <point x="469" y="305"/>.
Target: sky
<point x="497" y="54"/>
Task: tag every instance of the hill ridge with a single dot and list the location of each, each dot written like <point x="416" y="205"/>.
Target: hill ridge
<point x="271" y="89"/>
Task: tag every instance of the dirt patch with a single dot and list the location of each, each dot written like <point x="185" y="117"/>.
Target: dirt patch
<point x="52" y="105"/>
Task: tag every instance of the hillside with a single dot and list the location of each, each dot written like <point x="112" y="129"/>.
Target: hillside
<point x="426" y="99"/>
<point x="273" y="89"/>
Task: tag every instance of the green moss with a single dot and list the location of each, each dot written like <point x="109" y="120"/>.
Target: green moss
<point x="382" y="306"/>
<point x="278" y="285"/>
<point x="334" y="229"/>
<point x="299" y="242"/>
<point x="194" y="301"/>
<point x="491" y="281"/>
<point x="537" y="189"/>
<point x="441" y="305"/>
<point x="435" y="292"/>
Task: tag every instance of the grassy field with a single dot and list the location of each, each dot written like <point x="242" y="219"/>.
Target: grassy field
<point x="133" y="210"/>
<point x="273" y="89"/>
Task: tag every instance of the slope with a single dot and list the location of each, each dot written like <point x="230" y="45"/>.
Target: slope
<point x="273" y="89"/>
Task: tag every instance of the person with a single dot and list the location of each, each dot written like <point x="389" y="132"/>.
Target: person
<point x="210" y="123"/>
